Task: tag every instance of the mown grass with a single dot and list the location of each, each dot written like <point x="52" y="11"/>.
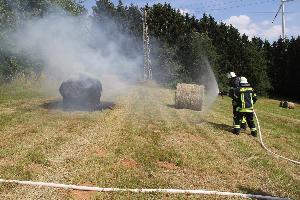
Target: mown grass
<point x="144" y="142"/>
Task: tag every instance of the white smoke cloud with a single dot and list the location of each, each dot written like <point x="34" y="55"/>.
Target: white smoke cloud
<point x="66" y="44"/>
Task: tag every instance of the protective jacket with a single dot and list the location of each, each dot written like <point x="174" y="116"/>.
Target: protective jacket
<point x="245" y="98"/>
<point x="234" y="83"/>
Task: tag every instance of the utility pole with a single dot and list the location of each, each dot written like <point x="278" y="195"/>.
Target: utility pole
<point x="146" y="44"/>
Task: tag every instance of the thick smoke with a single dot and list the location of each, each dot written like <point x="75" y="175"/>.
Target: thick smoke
<point x="66" y="44"/>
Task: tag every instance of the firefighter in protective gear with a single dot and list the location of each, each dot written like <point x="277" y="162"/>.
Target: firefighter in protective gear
<point x="245" y="98"/>
<point x="235" y="83"/>
<point x="234" y="80"/>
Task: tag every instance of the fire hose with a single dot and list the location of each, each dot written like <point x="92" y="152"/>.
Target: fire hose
<point x="168" y="191"/>
<point x="267" y="149"/>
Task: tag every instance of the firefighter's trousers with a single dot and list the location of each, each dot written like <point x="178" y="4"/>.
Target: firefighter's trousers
<point x="235" y="113"/>
<point x="249" y="118"/>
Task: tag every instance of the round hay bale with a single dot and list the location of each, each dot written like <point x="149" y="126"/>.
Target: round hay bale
<point x="189" y="96"/>
<point x="81" y="92"/>
<point x="286" y="104"/>
<point x="281" y="104"/>
<point x="290" y="105"/>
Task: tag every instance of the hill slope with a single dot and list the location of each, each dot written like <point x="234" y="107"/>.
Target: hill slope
<point x="144" y="142"/>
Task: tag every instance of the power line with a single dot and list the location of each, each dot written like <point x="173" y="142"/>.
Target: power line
<point x="227" y="3"/>
<point x="271" y="12"/>
<point x="214" y="4"/>
<point x="267" y="13"/>
<point x="216" y="8"/>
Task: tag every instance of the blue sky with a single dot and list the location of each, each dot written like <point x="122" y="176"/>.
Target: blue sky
<point x="252" y="17"/>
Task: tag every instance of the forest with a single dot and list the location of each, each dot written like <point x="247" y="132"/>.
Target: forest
<point x="181" y="45"/>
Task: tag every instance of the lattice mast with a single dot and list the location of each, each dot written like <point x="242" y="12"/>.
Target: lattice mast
<point x="146" y="40"/>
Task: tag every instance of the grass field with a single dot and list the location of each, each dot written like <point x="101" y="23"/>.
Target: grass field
<point x="143" y="142"/>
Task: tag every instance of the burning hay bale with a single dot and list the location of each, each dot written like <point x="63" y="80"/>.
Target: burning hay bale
<point x="189" y="96"/>
<point x="286" y="104"/>
<point x="81" y="92"/>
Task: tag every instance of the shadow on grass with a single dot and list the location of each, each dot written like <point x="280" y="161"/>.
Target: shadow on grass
<point x="175" y="107"/>
<point x="223" y="127"/>
<point x="172" y="106"/>
<point x="58" y="105"/>
<point x="254" y="191"/>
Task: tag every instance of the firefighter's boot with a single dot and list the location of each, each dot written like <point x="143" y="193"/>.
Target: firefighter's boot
<point x="236" y="131"/>
<point x="254" y="133"/>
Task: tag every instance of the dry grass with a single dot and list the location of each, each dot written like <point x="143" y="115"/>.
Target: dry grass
<point x="143" y="143"/>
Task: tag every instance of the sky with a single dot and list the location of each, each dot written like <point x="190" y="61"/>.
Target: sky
<point x="252" y="17"/>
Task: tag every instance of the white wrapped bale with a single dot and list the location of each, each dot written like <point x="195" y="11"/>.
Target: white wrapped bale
<point x="189" y="96"/>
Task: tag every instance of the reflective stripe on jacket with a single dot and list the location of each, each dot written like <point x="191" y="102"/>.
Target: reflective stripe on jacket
<point x="245" y="98"/>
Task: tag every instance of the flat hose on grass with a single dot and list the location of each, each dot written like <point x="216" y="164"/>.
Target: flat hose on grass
<point x="266" y="148"/>
<point x="169" y="191"/>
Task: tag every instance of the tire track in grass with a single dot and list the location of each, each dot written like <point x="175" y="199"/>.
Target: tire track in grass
<point x="59" y="171"/>
<point x="270" y="167"/>
<point x="143" y="122"/>
<point x="203" y="129"/>
<point x="181" y="115"/>
<point x="234" y="151"/>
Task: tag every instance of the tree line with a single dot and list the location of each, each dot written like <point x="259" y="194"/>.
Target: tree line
<point x="182" y="45"/>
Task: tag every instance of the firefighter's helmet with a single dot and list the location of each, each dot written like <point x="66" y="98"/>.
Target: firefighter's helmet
<point x="231" y="75"/>
<point x="243" y="80"/>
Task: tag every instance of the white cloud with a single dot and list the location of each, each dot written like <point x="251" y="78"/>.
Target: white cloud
<point x="239" y="21"/>
<point x="272" y="32"/>
<point x="264" y="29"/>
<point x="294" y="31"/>
<point x="265" y="22"/>
<point x="244" y="24"/>
<point x="183" y="11"/>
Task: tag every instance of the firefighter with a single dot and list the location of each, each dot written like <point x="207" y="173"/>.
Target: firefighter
<point x="235" y="83"/>
<point x="245" y="98"/>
